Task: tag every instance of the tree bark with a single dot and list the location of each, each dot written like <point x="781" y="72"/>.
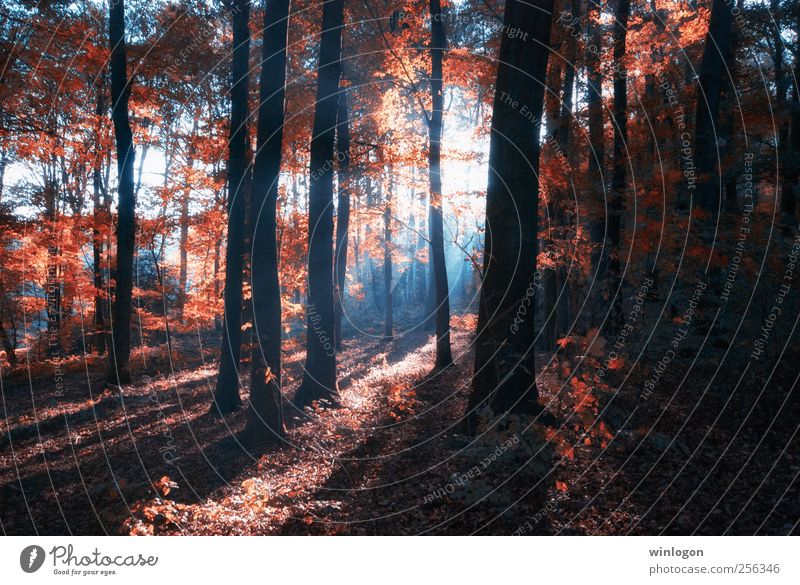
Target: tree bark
<point x="596" y="154"/>
<point x="708" y="190"/>
<point x="787" y="145"/>
<point x="556" y="285"/>
<point x="120" y="350"/>
<point x="388" y="331"/>
<point x="265" y="415"/>
<point x="99" y="215"/>
<point x="183" y="270"/>
<point x="343" y="210"/>
<point x="620" y="161"/>
<point x="504" y="356"/>
<point x="319" y="381"/>
<point x="436" y="223"/>
<point x="226" y="395"/>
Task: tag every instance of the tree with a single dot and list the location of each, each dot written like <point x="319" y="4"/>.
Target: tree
<point x="555" y="281"/>
<point x="319" y="379"/>
<point x="226" y="395"/>
<point x="119" y="356"/>
<point x="342" y="210"/>
<point x="265" y="415"/>
<point x="100" y="214"/>
<point x="597" y="151"/>
<point x="708" y="193"/>
<point x="436" y="223"/>
<point x="388" y="329"/>
<point x="620" y="161"/>
<point x="504" y="377"/>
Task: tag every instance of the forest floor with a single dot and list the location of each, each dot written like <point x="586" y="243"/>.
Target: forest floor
<point x="392" y="459"/>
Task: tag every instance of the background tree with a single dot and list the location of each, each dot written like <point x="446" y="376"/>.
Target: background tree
<point x="342" y="210"/>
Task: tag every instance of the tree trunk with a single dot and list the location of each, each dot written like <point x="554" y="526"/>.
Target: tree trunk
<point x="9" y="346"/>
<point x="180" y="302"/>
<point x="119" y="356"/>
<point x="596" y="154"/>
<point x="564" y="139"/>
<point x="388" y="331"/>
<point x="504" y="357"/>
<point x="319" y="381"/>
<point x="343" y="210"/>
<point x="265" y="415"/>
<point x="620" y="161"/>
<point x="708" y="192"/>
<point x="436" y="225"/>
<point x="226" y="396"/>
<point x="555" y="283"/>
<point x="99" y="215"/>
<point x="787" y="147"/>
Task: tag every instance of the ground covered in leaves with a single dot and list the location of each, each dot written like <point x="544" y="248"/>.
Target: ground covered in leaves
<point x="393" y="459"/>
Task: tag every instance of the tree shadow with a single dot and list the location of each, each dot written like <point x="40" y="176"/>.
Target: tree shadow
<point x="405" y="477"/>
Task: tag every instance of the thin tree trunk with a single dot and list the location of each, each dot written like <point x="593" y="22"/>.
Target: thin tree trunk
<point x="99" y="215"/>
<point x="504" y="357"/>
<point x="564" y="140"/>
<point x="120" y="350"/>
<point x="788" y="198"/>
<point x="180" y="301"/>
<point x="11" y="354"/>
<point x="555" y="280"/>
<point x="226" y="396"/>
<point x="388" y="332"/>
<point x="265" y="415"/>
<point x="443" y="354"/>
<point x="319" y="381"/>
<point x="596" y="154"/>
<point x="343" y="211"/>
<point x="617" y="195"/>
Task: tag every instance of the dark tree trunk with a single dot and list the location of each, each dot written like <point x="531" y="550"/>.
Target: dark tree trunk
<point x="620" y="162"/>
<point x="120" y="350"/>
<point x="343" y="210"/>
<point x="319" y="381"/>
<point x="429" y="277"/>
<point x="10" y="349"/>
<point x="265" y="415"/>
<point x="99" y="215"/>
<point x="504" y="355"/>
<point x="597" y="153"/>
<point x="788" y="138"/>
<point x="555" y="283"/>
<point x="792" y="165"/>
<point x="708" y="191"/>
<point x="443" y="355"/>
<point x="226" y="396"/>
<point x="564" y="141"/>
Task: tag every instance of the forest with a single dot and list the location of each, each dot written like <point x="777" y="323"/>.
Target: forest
<point x="399" y="267"/>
